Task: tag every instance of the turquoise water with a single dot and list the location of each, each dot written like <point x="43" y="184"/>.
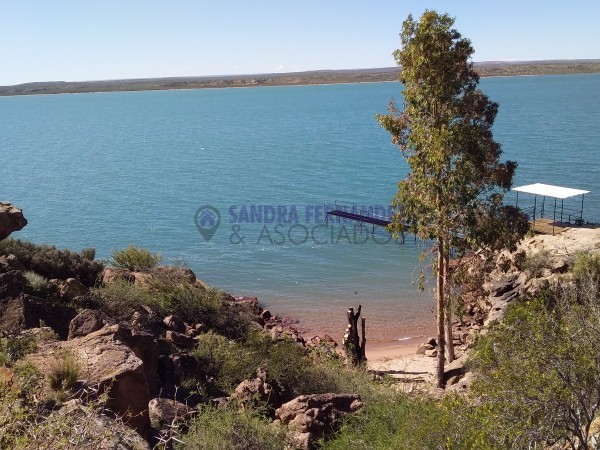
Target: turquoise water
<point x="109" y="170"/>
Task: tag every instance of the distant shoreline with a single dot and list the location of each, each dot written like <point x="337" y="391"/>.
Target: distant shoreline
<point x="317" y="77"/>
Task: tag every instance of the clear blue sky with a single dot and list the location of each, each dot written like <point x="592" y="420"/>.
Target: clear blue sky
<point x="43" y="40"/>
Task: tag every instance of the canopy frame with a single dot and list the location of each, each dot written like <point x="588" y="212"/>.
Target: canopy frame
<point x="556" y="192"/>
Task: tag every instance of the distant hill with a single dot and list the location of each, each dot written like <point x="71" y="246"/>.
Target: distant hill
<point x="485" y="69"/>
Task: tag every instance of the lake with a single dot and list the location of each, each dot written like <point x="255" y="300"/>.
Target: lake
<point x="233" y="183"/>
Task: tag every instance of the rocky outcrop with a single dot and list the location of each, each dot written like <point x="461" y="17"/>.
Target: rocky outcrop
<point x="310" y="417"/>
<point x="86" y="322"/>
<point x="11" y="219"/>
<point x="165" y="412"/>
<point x="28" y="311"/>
<point x="261" y="390"/>
<point x="107" y="365"/>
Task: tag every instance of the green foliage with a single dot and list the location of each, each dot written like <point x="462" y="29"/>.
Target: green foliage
<point x="453" y="193"/>
<point x="538" y="371"/>
<point x="89" y="253"/>
<point x="36" y="284"/>
<point x="586" y="268"/>
<point x="134" y="258"/>
<point x="537" y="262"/>
<point x="173" y="295"/>
<point x="228" y="428"/>
<point x="64" y="372"/>
<point x="226" y="363"/>
<point x="120" y="299"/>
<point x="13" y="348"/>
<point x="51" y="262"/>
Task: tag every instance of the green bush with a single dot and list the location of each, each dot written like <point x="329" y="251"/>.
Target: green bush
<point x="229" y="428"/>
<point x="36" y="284"/>
<point x="214" y="308"/>
<point x="538" y="380"/>
<point x="51" y="262"/>
<point x="120" y="299"/>
<point x="537" y="262"/>
<point x="64" y="372"/>
<point x="586" y="268"/>
<point x="13" y="348"/>
<point x="134" y="258"/>
<point x="392" y="421"/>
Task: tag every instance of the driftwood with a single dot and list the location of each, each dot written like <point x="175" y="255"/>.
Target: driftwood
<point x="354" y="345"/>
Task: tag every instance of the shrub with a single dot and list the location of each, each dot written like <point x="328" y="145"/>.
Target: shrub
<point x="119" y="299"/>
<point x="229" y="428"/>
<point x="134" y="258"/>
<point x="392" y="421"/>
<point x="51" y="262"/>
<point x="586" y="268"/>
<point x="538" y="377"/>
<point x="537" y="262"/>
<point x="89" y="253"/>
<point x="36" y="284"/>
<point x="13" y="348"/>
<point x="64" y="372"/>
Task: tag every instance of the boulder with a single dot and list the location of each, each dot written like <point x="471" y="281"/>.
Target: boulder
<point x="11" y="262"/>
<point x="174" y="322"/>
<point x="261" y="390"/>
<point x="146" y="348"/>
<point x="180" y="340"/>
<point x="421" y="349"/>
<point x="86" y="322"/>
<point x="70" y="289"/>
<point x="86" y="428"/>
<point x="310" y="417"/>
<point x="165" y="412"/>
<point x="110" y="275"/>
<point x="11" y="219"/>
<point x="27" y="311"/>
<point x="250" y="303"/>
<point x="110" y="366"/>
<point x="12" y="284"/>
<point x="431" y="353"/>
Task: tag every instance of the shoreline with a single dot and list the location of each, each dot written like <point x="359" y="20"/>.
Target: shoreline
<point x="308" y="78"/>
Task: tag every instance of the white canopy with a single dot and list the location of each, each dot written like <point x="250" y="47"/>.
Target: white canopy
<point x="550" y="191"/>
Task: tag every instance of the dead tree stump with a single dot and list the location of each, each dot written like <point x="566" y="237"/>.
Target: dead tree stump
<point x="354" y="345"/>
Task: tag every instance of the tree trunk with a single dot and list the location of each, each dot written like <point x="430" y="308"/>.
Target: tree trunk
<point x="448" y="301"/>
<point x="440" y="314"/>
<point x="354" y="345"/>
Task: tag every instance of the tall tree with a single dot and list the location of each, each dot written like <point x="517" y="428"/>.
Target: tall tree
<point x="453" y="192"/>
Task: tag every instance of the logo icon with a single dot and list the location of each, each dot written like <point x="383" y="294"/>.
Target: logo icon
<point x="207" y="220"/>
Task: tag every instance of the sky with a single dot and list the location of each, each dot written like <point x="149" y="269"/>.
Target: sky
<point x="80" y="40"/>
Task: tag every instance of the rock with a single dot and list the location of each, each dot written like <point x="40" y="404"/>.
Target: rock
<point x="164" y="411"/>
<point x="310" y="417"/>
<point x="146" y="348"/>
<point x="266" y="315"/>
<point x="431" y="353"/>
<point x="70" y="289"/>
<point x="503" y="285"/>
<point x="27" y="311"/>
<point x="86" y="322"/>
<point x="11" y="262"/>
<point x="77" y="423"/>
<point x="421" y="349"/>
<point x="174" y="322"/>
<point x="559" y="266"/>
<point x="12" y="284"/>
<point x="166" y="370"/>
<point x="11" y="219"/>
<point x="180" y="340"/>
<point x="109" y="365"/>
<point x="261" y="390"/>
<point x="454" y="371"/>
<point x="110" y="275"/>
<point x="251" y="303"/>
